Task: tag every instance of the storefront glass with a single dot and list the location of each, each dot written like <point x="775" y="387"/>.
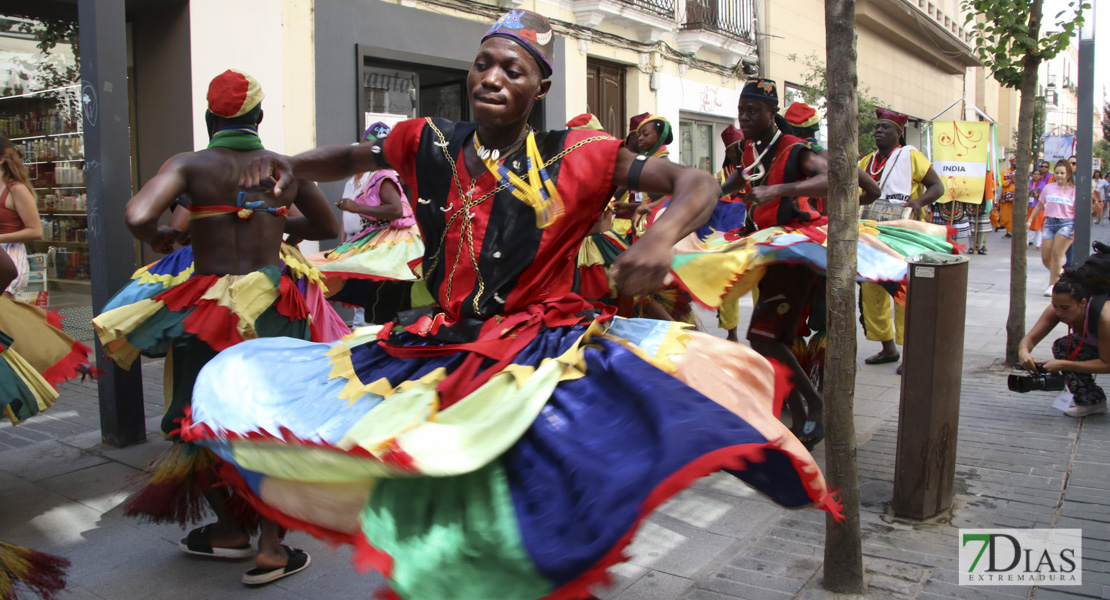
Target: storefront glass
<point x="40" y="112"/>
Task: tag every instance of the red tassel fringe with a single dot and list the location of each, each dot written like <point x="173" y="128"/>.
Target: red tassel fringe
<point x="175" y="485"/>
<point x="44" y="574"/>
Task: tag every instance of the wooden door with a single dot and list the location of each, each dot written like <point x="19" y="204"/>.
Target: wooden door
<point x="605" y="94"/>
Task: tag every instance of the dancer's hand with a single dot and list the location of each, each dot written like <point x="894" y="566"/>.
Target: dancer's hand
<point x="164" y="240"/>
<point x="266" y="170"/>
<point x="642" y="269"/>
<point x="762" y="194"/>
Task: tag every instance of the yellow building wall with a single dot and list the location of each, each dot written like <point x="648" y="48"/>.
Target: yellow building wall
<point x="904" y="81"/>
<point x="298" y="57"/>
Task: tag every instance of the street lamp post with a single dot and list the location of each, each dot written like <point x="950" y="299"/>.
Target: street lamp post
<point x="1084" y="140"/>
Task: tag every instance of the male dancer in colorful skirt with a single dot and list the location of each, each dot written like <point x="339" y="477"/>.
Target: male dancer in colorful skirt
<point x="906" y="180"/>
<point x="238" y="291"/>
<point x="780" y="175"/>
<point x="507" y="442"/>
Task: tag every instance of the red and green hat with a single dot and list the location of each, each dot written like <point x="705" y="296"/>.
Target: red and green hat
<point x="233" y="93"/>
<point x="802" y="115"/>
<point x="585" y="121"/>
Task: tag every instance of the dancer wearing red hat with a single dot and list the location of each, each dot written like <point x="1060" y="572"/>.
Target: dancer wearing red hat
<point x="908" y="183"/>
<point x="239" y="290"/>
<point x="507" y="442"/>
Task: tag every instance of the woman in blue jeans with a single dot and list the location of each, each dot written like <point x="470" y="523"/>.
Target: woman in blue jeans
<point x="1057" y="199"/>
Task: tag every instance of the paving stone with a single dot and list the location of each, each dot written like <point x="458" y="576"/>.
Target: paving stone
<point x="789" y="582"/>
<point x="101" y="487"/>
<point x="892" y="584"/>
<point x="746" y="591"/>
<point x="899" y="570"/>
<point x="656" y="586"/>
<point x="47" y="459"/>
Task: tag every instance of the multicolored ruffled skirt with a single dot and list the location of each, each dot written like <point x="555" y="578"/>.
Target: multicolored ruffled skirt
<point x="516" y="466"/>
<point x="595" y="257"/>
<point x="41" y="343"/>
<point x="375" y="270"/>
<point x="168" y="310"/>
<point x="727" y="267"/>
<point x="384" y="254"/>
<point x="177" y="267"/>
<point x="23" y="391"/>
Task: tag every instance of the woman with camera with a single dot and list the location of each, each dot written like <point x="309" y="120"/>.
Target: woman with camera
<point x="1084" y="351"/>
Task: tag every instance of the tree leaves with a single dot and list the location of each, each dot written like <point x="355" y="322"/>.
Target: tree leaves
<point x="1002" y="37"/>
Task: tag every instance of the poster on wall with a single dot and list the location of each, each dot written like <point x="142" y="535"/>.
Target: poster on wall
<point x="1058" y="147"/>
<point x="388" y="118"/>
<point x="961" y="155"/>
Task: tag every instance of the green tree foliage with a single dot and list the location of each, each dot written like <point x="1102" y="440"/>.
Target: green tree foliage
<point x="815" y="90"/>
<point x="1003" y="42"/>
<point x="1010" y="43"/>
<point x="1102" y="150"/>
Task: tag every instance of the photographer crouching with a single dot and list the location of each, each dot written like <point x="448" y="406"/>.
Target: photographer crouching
<point x="1083" y="352"/>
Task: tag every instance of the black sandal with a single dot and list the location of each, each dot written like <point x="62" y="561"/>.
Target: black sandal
<point x="298" y="561"/>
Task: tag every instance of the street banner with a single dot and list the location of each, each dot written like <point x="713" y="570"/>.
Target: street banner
<point x="961" y="158"/>
<point x="1058" y="147"/>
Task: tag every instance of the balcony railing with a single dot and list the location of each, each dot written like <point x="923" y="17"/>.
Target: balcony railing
<point x="663" y="8"/>
<point x="735" y="18"/>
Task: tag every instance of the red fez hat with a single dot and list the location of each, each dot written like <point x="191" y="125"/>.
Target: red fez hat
<point x="732" y="135"/>
<point x="634" y="122"/>
<point x="888" y="115"/>
<point x="584" y="121"/>
<point x="801" y="114"/>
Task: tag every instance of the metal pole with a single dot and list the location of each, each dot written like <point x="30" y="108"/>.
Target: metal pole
<point x="1084" y="143"/>
<point x="103" y="34"/>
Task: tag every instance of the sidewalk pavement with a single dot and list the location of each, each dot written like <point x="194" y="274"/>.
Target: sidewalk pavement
<point x="1020" y="463"/>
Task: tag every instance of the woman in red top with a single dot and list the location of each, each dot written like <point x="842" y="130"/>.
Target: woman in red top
<point x="19" y="215"/>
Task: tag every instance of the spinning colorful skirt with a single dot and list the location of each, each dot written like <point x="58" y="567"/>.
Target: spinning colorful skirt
<point x="509" y="443"/>
<point x="595" y="257"/>
<point x="40" y="341"/>
<point x="377" y="267"/>
<point x="177" y="267"/>
<point x="24" y="393"/>
<point x="516" y="466"/>
<point x="729" y="266"/>
<point x="168" y="310"/>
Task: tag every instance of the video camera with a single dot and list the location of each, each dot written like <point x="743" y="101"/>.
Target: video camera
<point x="1041" y="381"/>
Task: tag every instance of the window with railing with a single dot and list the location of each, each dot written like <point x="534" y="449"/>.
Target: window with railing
<point x="660" y="7"/>
<point x="735" y="18"/>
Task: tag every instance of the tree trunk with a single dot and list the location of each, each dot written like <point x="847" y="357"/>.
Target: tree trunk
<point x="843" y="555"/>
<point x="1015" y="323"/>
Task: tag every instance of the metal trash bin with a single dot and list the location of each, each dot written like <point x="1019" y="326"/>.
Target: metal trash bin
<point x="929" y="410"/>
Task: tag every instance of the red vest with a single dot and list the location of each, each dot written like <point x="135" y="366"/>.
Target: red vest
<point x="782" y="166"/>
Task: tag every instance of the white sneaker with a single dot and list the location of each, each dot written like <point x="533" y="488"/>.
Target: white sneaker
<point x="1083" y="411"/>
<point x="1048" y="292"/>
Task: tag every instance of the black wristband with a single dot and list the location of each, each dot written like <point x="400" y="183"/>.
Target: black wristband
<point x="633" y="180"/>
<point x="378" y="148"/>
